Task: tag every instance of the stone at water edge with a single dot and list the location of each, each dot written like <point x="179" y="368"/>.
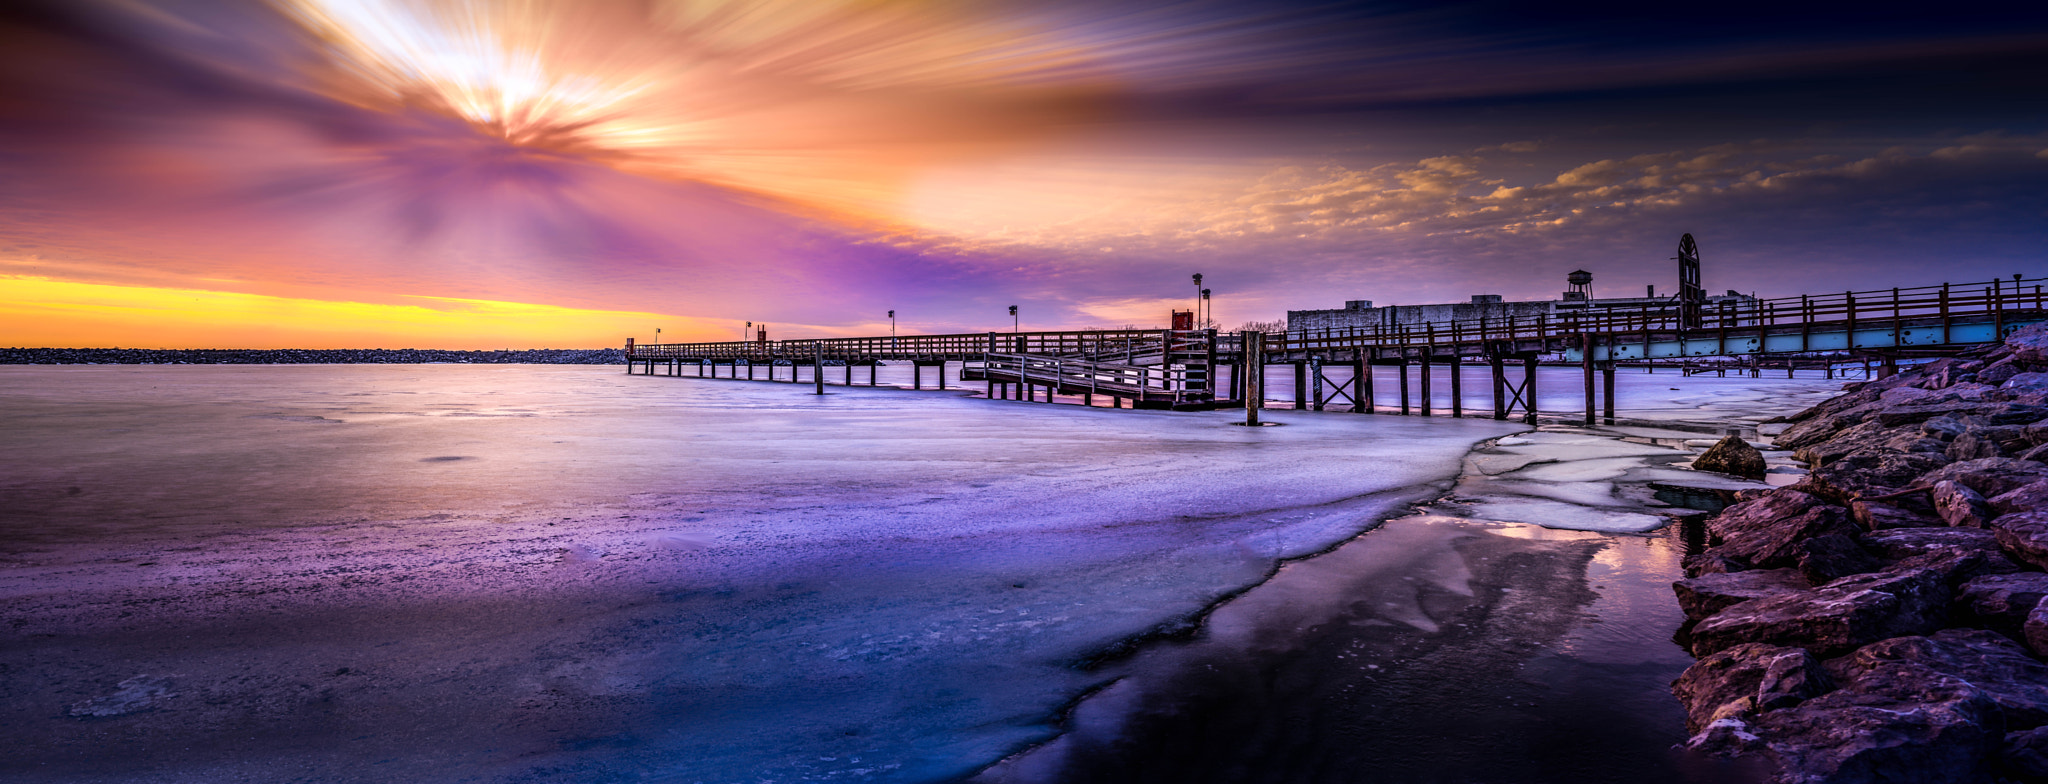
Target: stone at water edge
<point x="1733" y="456"/>
<point x="1835" y="618"/>
<point x="1960" y="506"/>
<point x="1987" y="661"/>
<point x="1939" y="731"/>
<point x="1745" y="679"/>
<point x="1902" y="543"/>
<point x="1780" y="545"/>
<point x="1702" y="596"/>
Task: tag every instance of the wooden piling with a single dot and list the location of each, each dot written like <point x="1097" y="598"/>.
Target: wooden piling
<point x="1301" y="385"/>
<point x="1426" y="358"/>
<point x="1529" y="388"/>
<point x="1457" y="384"/>
<point x="818" y="367"/>
<point x="1586" y="361"/>
<point x="1254" y="382"/>
<point x="1361" y="383"/>
<point x="1404" y="382"/>
<point x="1607" y="384"/>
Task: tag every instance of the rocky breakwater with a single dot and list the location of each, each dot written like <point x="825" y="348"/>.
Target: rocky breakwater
<point x="1884" y="619"/>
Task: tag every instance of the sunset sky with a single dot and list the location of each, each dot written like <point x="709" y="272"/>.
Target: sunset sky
<point x="529" y="173"/>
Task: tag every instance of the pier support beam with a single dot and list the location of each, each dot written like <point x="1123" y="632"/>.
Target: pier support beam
<point x="1404" y="384"/>
<point x="1529" y="388"/>
<point x="1361" y="384"/>
<point x="1607" y="384"/>
<point x="1426" y="361"/>
<point x="1457" y="384"/>
<point x="1586" y="360"/>
<point x="1301" y="389"/>
<point x="1254" y="377"/>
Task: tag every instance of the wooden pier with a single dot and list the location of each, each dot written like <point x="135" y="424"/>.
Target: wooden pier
<point x="1187" y="369"/>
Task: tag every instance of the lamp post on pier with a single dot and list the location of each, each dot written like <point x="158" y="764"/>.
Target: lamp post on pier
<point x="1013" y="320"/>
<point x="1203" y="323"/>
<point x="1198" y="300"/>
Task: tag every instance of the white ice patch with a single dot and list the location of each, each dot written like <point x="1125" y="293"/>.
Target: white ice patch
<point x="1557" y="514"/>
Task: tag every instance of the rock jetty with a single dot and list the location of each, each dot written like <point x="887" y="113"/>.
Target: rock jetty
<point x="1886" y="618"/>
<point x="295" y="356"/>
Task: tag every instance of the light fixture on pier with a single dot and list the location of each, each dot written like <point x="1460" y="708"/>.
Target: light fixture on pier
<point x="1013" y="318"/>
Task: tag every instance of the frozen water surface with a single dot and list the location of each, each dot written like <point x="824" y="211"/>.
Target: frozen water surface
<point x="402" y="573"/>
<point x="566" y="573"/>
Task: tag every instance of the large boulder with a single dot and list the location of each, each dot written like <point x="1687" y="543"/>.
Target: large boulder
<point x="2035" y="631"/>
<point x="1989" y="476"/>
<point x="1702" y="596"/>
<point x="1988" y="661"/>
<point x="1898" y="724"/>
<point x="2029" y="344"/>
<point x="1873" y="473"/>
<point x="1943" y="428"/>
<point x="1835" y="618"/>
<point x="1902" y="543"/>
<point x="2029" y="497"/>
<point x="1959" y="565"/>
<point x="1878" y="516"/>
<point x="2024" y="535"/>
<point x="1827" y="558"/>
<point x="1734" y="456"/>
<point x="1959" y="505"/>
<point x="2026" y="754"/>
<point x="1974" y="443"/>
<point x="2000" y="602"/>
<point x="1745" y="679"/>
<point x="1778" y="544"/>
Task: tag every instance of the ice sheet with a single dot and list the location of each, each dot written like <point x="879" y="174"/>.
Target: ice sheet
<point x="1558" y="514"/>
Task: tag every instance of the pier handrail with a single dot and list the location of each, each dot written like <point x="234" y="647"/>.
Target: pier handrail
<point x="1892" y="307"/>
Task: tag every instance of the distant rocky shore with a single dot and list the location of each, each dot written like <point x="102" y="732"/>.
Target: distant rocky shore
<point x="295" y="356"/>
<point x="1886" y="618"/>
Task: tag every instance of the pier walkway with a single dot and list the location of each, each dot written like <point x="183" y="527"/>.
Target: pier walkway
<point x="1207" y="369"/>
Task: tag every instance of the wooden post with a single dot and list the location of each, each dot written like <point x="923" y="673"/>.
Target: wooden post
<point x="942" y="375"/>
<point x="818" y="367"/>
<point x="1424" y="396"/>
<point x="1457" y="384"/>
<point x="1500" y="385"/>
<point x="1300" y="385"/>
<point x="916" y="374"/>
<point x="1361" y="383"/>
<point x="848" y="366"/>
<point x="1254" y="350"/>
<point x="1404" y="382"/>
<point x="1315" y="382"/>
<point x="1529" y="388"/>
<point x="1607" y="382"/>
<point x="990" y="380"/>
<point x="1586" y="361"/>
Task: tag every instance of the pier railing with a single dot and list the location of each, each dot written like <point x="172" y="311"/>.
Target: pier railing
<point x="1932" y="312"/>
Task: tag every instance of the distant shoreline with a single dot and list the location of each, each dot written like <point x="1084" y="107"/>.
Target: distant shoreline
<point x="296" y="356"/>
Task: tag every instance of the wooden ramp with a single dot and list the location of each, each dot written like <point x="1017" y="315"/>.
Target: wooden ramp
<point x="1162" y="384"/>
